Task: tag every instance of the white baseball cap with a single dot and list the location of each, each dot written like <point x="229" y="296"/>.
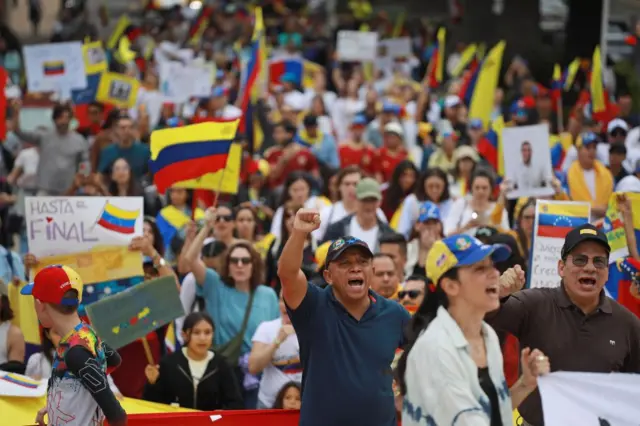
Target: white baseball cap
<point x="617" y="123"/>
<point x="452" y="101"/>
<point x="394" y="127"/>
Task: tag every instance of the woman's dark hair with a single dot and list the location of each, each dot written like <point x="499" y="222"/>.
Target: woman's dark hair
<point x="257" y="272"/>
<point x="426" y="313"/>
<point x="394" y="193"/>
<point x="482" y="173"/>
<point x="158" y="242"/>
<point x="189" y="197"/>
<point x="291" y="179"/>
<point x="133" y="187"/>
<point x="279" y="401"/>
<point x="47" y="346"/>
<point x="531" y="202"/>
<point x="421" y="194"/>
<point x="239" y="209"/>
<point x="192" y="320"/>
<point x="59" y="109"/>
<point x="6" y="313"/>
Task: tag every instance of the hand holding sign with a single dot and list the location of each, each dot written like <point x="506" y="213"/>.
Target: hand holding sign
<point x="152" y="372"/>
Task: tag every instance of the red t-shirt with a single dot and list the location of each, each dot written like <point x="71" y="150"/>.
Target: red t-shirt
<point x="302" y="161"/>
<point x="362" y="156"/>
<point x="386" y="162"/>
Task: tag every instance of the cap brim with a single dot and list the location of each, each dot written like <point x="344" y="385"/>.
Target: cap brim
<point x="27" y="290"/>
<point x="370" y="195"/>
<point x="498" y="253"/>
<point x="338" y="253"/>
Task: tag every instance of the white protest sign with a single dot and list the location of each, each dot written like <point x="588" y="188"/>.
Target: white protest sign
<point x="179" y="82"/>
<point x="399" y="47"/>
<point x="357" y="46"/>
<point x="12" y="384"/>
<point x="553" y="220"/>
<point x="54" y="67"/>
<point x="590" y="399"/>
<point x="64" y="225"/>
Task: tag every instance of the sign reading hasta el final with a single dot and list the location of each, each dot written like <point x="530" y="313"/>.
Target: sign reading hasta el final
<point x="89" y="234"/>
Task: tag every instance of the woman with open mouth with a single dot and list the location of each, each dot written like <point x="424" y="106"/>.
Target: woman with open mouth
<point x="451" y="371"/>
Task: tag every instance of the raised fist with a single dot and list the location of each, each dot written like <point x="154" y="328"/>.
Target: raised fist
<point x="306" y="220"/>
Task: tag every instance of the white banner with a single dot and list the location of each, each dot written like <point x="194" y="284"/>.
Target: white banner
<point x="590" y="399"/>
<point x="357" y="46"/>
<point x="54" y="67"/>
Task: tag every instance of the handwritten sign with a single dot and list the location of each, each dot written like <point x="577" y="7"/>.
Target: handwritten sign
<point x="357" y="46"/>
<point x="606" y="399"/>
<point x="554" y="219"/>
<point x="89" y="234"/>
<point x="54" y="67"/>
<point x="134" y="313"/>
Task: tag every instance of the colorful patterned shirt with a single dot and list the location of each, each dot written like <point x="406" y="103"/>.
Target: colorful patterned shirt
<point x="78" y="392"/>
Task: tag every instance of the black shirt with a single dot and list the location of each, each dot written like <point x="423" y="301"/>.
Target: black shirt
<point x="487" y="386"/>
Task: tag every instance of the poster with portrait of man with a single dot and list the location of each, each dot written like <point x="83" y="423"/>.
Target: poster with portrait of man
<point x="527" y="161"/>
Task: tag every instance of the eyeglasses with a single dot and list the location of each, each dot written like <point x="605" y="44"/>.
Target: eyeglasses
<point x="239" y="260"/>
<point x="225" y="218"/>
<point x="599" y="262"/>
<point x="411" y="293"/>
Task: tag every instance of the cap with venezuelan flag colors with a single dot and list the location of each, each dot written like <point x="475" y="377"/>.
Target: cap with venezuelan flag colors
<point x="51" y="284"/>
<point x="460" y="250"/>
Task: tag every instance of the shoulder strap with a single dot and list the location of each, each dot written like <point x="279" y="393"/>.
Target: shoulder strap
<point x="247" y="312"/>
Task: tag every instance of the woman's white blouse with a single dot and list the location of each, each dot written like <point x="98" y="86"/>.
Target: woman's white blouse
<point x="411" y="210"/>
<point x="461" y="213"/>
<point x="443" y="388"/>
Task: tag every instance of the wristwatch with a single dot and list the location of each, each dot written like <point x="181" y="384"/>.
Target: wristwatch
<point x="158" y="261"/>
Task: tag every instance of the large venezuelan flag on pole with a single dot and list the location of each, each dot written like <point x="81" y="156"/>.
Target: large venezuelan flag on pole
<point x="184" y="153"/>
<point x="482" y="101"/>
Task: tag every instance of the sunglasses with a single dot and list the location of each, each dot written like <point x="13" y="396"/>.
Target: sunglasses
<point x="580" y="260"/>
<point x="239" y="260"/>
<point x="411" y="293"/>
<point x="225" y="218"/>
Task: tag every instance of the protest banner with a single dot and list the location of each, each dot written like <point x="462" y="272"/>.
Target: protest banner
<point x="95" y="59"/>
<point x="117" y="89"/>
<point x="12" y="384"/>
<point x="571" y="398"/>
<point x="357" y="46"/>
<point x="554" y="219"/>
<point x="89" y="234"/>
<point x="54" y="67"/>
<point x="614" y="228"/>
<point x="136" y="312"/>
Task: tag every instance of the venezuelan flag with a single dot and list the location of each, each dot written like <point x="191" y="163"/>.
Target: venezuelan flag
<point x="466" y="58"/>
<point x="559" y="144"/>
<point x="252" y="70"/>
<point x="482" y="101"/>
<point x="185" y="153"/>
<point x="556" y="84"/>
<point x="437" y="59"/>
<point x="20" y="380"/>
<point x="170" y="220"/>
<point x="53" y="68"/>
<point x="118" y="220"/>
<point x="469" y="82"/>
<point x="280" y="67"/>
<point x="598" y="97"/>
<point x="489" y="147"/>
<point x="200" y="24"/>
<point x="556" y="219"/>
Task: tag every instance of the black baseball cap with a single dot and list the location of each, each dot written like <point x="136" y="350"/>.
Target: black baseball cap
<point x="341" y="244"/>
<point x="586" y="232"/>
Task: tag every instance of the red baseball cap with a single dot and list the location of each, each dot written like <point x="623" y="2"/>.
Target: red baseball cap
<point x="52" y="282"/>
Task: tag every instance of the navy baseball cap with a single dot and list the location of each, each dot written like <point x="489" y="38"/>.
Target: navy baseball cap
<point x="341" y="244"/>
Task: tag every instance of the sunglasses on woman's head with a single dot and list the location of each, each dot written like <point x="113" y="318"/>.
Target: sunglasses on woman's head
<point x="225" y="218"/>
<point x="411" y="293"/>
<point x="239" y="260"/>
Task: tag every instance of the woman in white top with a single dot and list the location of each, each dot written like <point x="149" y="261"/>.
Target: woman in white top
<point x="346" y="181"/>
<point x="432" y="186"/>
<point x="452" y="370"/>
<point x="476" y="209"/>
<point x="275" y="354"/>
<point x="39" y="364"/>
<point x="12" y="345"/>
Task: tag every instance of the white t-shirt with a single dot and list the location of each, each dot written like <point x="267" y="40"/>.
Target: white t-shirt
<point x="285" y="366"/>
<point x="334" y="213"/>
<point x="461" y="213"/>
<point x="28" y="160"/>
<point x="590" y="180"/>
<point x="369" y="236"/>
<point x="197" y="367"/>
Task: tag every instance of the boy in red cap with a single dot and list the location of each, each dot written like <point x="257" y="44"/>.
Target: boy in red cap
<point x="78" y="392"/>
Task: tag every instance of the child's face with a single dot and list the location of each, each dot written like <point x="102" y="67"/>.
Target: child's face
<point x="291" y="399"/>
<point x="199" y="338"/>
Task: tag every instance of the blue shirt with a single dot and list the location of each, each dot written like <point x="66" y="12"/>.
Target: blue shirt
<point x="227" y="306"/>
<point x="137" y="155"/>
<point x="347" y="377"/>
<point x="10" y="266"/>
<point x="327" y="151"/>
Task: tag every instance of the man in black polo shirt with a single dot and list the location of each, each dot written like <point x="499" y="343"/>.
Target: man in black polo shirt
<point x="348" y="334"/>
<point x="576" y="325"/>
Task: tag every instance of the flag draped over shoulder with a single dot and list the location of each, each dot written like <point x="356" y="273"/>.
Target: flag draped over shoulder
<point x="620" y="278"/>
<point x="184" y="153"/>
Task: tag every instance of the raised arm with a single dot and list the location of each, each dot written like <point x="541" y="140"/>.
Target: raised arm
<point x="294" y="282"/>
<point x="192" y="255"/>
<point x="31" y="137"/>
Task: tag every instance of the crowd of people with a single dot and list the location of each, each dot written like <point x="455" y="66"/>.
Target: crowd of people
<point x="369" y="253"/>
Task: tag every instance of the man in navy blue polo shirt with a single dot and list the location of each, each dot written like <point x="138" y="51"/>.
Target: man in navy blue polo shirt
<point x="348" y="334"/>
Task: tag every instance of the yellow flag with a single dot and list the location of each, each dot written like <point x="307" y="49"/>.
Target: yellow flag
<point x="121" y="26"/>
<point x="465" y="59"/>
<point x="598" y="103"/>
<point x="482" y="100"/>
